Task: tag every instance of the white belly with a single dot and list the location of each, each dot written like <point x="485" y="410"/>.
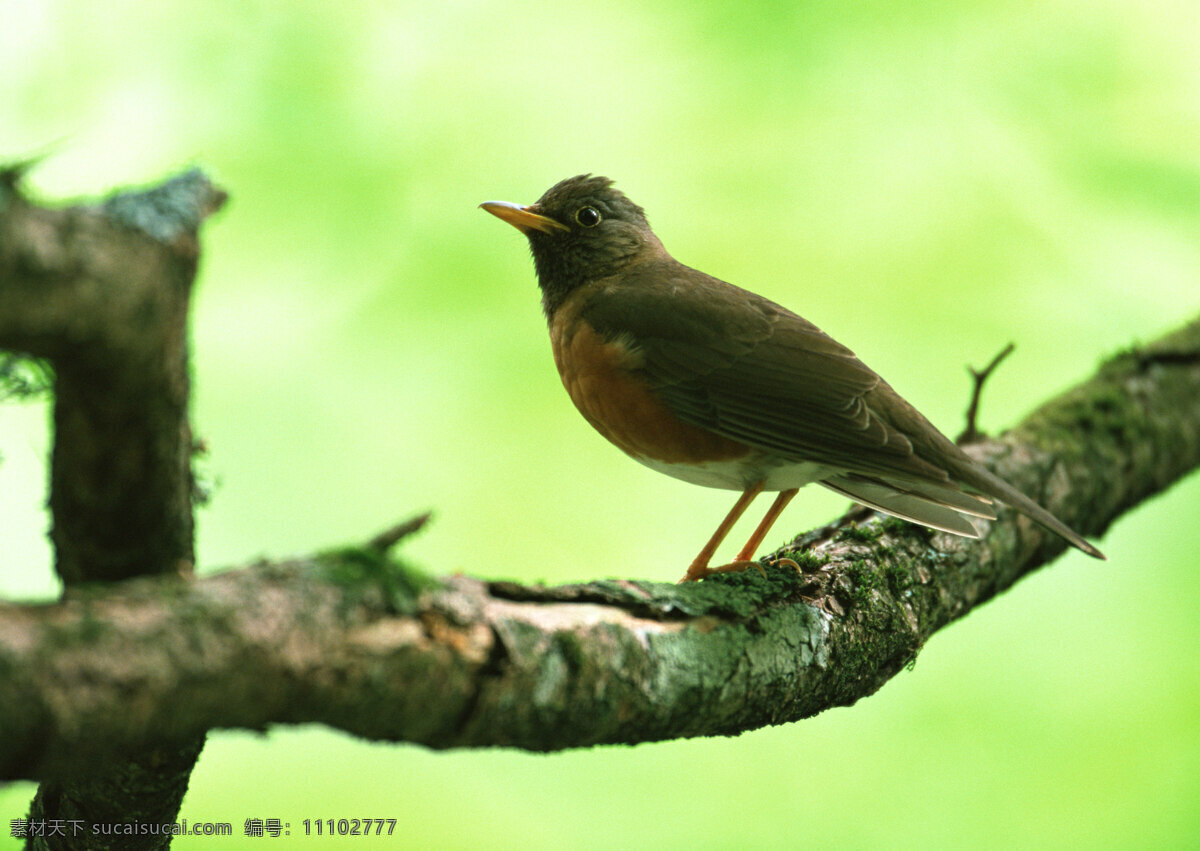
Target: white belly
<point x="740" y="474"/>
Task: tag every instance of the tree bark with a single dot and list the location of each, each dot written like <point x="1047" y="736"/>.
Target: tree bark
<point x="102" y="292"/>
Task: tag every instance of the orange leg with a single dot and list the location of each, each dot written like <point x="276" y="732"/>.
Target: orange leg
<point x="780" y="503"/>
<point x="699" y="567"/>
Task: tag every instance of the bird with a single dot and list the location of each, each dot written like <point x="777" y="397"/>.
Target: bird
<point x="718" y="386"/>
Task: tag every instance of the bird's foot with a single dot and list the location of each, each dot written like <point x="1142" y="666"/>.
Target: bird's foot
<point x="701" y="571"/>
<point x="787" y="562"/>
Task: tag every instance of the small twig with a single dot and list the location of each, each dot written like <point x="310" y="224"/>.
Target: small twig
<point x="972" y="434"/>
<point x="384" y="541"/>
<point x="13" y="171"/>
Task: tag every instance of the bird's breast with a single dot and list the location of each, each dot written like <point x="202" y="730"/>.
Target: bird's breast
<point x="600" y="377"/>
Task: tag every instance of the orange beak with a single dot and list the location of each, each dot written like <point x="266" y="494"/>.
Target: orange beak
<point x="522" y="218"/>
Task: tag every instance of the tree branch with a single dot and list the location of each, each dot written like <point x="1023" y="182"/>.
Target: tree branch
<point x="354" y="640"/>
<point x="102" y="292"/>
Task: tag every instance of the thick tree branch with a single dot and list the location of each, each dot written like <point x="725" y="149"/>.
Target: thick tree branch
<point x="102" y="292"/>
<point x="352" y="640"/>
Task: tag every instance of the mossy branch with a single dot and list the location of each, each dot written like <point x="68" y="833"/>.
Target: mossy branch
<point x="354" y="640"/>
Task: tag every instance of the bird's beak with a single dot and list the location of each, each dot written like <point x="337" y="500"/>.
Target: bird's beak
<point x="521" y="217"/>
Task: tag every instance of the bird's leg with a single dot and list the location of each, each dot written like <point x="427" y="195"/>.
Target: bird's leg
<point x="745" y="558"/>
<point x="699" y="566"/>
<point x="780" y="503"/>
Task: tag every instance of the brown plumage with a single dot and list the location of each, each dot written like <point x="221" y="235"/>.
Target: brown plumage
<point x="718" y="386"/>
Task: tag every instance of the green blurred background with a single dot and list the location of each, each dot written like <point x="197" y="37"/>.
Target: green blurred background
<point x="925" y="181"/>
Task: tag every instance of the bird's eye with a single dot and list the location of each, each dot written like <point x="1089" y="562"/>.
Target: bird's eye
<point x="589" y="217"/>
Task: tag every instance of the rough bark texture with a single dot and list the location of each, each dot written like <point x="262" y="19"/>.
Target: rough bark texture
<point x="355" y="640"/>
<point x="102" y="292"/>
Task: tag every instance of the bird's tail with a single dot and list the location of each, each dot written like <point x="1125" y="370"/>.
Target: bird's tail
<point x="947" y="508"/>
<point x="980" y="479"/>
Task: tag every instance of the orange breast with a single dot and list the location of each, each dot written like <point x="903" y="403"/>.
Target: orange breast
<point x="598" y="376"/>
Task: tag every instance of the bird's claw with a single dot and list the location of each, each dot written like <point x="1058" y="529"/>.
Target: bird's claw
<point x="696" y="573"/>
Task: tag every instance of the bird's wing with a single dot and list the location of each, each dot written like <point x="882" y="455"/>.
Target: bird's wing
<point x="730" y="361"/>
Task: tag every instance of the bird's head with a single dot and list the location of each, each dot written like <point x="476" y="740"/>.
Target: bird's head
<point x="580" y="230"/>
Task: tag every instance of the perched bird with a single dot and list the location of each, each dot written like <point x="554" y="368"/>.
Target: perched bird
<point x="712" y="384"/>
